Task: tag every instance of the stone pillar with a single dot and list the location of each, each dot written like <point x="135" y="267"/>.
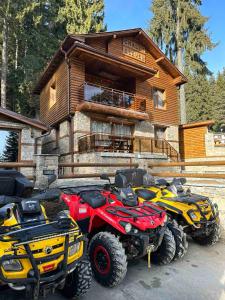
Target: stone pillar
<point x="46" y="166"/>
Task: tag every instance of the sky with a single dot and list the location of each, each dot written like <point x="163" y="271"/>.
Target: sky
<point x="3" y="135"/>
<point x="124" y="14"/>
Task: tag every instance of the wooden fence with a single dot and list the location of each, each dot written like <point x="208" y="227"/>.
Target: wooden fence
<point x="213" y="175"/>
<point x="206" y="163"/>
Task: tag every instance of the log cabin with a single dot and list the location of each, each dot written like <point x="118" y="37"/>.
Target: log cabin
<point x="110" y="96"/>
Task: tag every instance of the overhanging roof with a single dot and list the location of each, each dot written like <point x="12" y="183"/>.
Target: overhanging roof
<point x="72" y="41"/>
<point x="18" y="117"/>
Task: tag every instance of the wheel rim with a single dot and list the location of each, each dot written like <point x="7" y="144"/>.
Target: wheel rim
<point x="102" y="260"/>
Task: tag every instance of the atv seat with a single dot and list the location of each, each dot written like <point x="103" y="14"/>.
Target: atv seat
<point x="13" y="183"/>
<point x="133" y="177"/>
<point x="93" y="198"/>
<point x="145" y="194"/>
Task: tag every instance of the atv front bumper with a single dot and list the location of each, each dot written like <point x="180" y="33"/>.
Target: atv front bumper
<point x="151" y="238"/>
<point x="46" y="281"/>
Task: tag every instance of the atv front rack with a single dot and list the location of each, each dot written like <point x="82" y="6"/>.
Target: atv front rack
<point x="194" y="199"/>
<point x="134" y="212"/>
<point x="22" y="237"/>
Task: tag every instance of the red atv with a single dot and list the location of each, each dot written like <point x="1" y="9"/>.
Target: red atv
<point x="118" y="232"/>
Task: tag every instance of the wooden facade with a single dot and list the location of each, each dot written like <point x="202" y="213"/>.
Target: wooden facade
<point x="125" y="60"/>
<point x="192" y="139"/>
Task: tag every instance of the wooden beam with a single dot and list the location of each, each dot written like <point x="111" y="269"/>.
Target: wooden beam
<point x="17" y="165"/>
<point x="70" y="176"/>
<point x="189" y="163"/>
<point x="177" y="80"/>
<point x="159" y="59"/>
<point x="188" y="175"/>
<point x="78" y="165"/>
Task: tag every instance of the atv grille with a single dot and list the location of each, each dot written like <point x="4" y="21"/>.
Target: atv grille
<point x="38" y="251"/>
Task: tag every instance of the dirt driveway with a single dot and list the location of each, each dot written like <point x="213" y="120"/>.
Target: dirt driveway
<point x="200" y="275"/>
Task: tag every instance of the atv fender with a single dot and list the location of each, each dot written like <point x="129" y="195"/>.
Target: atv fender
<point x="102" y="218"/>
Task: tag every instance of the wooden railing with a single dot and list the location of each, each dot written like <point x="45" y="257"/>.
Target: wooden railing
<point x="111" y="97"/>
<point x="18" y="166"/>
<point x="91" y="175"/>
<point x="152" y="145"/>
<point x="203" y="175"/>
<point x="99" y="142"/>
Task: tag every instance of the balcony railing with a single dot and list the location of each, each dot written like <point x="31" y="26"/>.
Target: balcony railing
<point x="103" y="95"/>
<point x="100" y="142"/>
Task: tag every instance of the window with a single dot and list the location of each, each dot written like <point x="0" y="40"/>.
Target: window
<point x="159" y="98"/>
<point x="111" y="128"/>
<point x="52" y="100"/>
<point x="9" y="145"/>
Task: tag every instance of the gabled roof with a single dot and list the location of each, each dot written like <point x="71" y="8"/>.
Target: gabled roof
<point x="71" y="40"/>
<point x="18" y="117"/>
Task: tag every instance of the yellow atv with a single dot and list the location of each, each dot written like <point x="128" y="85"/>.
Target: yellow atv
<point x="38" y="255"/>
<point x="197" y="215"/>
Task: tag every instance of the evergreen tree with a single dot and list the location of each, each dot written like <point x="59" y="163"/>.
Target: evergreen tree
<point x="82" y="16"/>
<point x="10" y="153"/>
<point x="34" y="30"/>
<point x="178" y="28"/>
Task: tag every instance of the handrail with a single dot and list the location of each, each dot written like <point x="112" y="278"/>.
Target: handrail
<point x="113" y="97"/>
<point x="17" y="165"/>
<point x="95" y="142"/>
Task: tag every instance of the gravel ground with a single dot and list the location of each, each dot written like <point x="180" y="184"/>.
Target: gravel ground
<point x="200" y="275"/>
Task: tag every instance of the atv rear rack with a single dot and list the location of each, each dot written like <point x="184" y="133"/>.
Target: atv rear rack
<point x="134" y="212"/>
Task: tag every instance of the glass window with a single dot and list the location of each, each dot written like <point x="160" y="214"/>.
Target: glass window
<point x="159" y="98"/>
<point x="100" y="127"/>
<point x="52" y="100"/>
<point x="9" y="145"/>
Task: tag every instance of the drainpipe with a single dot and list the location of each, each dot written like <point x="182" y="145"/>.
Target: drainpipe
<point x="40" y="137"/>
<point x="71" y="129"/>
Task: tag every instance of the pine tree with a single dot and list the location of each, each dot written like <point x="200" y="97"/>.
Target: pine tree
<point x="34" y="31"/>
<point x="178" y="28"/>
<point x="10" y="153"/>
<point x="82" y="16"/>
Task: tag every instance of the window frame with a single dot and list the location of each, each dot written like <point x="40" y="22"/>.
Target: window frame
<point x="52" y="91"/>
<point x="163" y="91"/>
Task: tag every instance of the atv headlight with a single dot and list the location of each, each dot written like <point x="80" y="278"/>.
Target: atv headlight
<point x="193" y="215"/>
<point x="12" y="265"/>
<point x="128" y="227"/>
<point x="74" y="249"/>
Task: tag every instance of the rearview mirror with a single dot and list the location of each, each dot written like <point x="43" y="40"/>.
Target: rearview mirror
<point x="104" y="177"/>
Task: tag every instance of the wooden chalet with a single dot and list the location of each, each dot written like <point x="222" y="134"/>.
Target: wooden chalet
<point x="111" y="93"/>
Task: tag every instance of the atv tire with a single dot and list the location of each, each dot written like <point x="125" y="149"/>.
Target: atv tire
<point x="180" y="238"/>
<point x="108" y="259"/>
<point x="211" y="238"/>
<point x="79" y="281"/>
<point x="166" y="251"/>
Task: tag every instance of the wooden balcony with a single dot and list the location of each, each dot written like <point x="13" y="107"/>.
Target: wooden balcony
<point x="111" y="97"/>
<point x="100" y="142"/>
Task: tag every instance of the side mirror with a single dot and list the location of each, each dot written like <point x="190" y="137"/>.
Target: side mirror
<point x="5" y="213"/>
<point x="104" y="177"/>
<point x="183" y="180"/>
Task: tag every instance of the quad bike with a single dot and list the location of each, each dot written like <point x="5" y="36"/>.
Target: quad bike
<point x="38" y="255"/>
<point x="196" y="214"/>
<point x="118" y="232"/>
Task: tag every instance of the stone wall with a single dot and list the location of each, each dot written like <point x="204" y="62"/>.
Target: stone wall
<point x="211" y="149"/>
<point x="172" y="135"/>
<point x="27" y="142"/>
